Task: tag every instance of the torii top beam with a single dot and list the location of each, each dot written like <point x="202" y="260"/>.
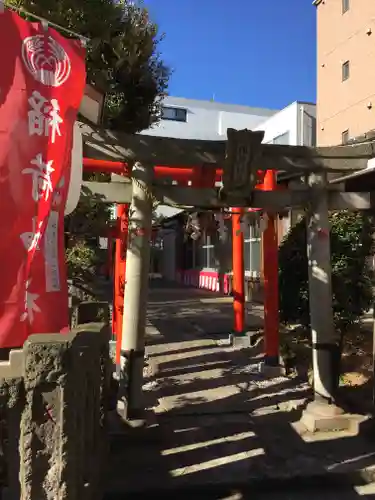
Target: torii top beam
<point x="111" y="145"/>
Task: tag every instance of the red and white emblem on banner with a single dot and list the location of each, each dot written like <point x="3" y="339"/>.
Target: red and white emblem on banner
<point x="42" y="83"/>
<point x="46" y="60"/>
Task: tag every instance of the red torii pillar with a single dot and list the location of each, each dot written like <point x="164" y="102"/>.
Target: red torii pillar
<point x="120" y="274"/>
<point x="271" y="280"/>
<point x="238" y="281"/>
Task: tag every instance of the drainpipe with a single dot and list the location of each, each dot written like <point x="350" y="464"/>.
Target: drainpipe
<point x="302" y="125"/>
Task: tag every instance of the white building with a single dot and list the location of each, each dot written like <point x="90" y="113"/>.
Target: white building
<point x="192" y="119"/>
<point x="206" y="120"/>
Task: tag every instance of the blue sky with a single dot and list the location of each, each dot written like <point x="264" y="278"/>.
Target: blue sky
<point x="251" y="52"/>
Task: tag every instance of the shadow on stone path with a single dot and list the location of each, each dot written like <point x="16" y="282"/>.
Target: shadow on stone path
<point x="216" y="428"/>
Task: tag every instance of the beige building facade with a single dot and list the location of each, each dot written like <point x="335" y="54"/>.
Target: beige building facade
<point x="346" y="69"/>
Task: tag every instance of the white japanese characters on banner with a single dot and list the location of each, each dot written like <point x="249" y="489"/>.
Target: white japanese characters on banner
<point x="30" y="305"/>
<point x="44" y="118"/>
<point x="41" y="177"/>
<point x="31" y="238"/>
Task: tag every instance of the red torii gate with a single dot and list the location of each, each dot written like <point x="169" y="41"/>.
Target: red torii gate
<point x="204" y="177"/>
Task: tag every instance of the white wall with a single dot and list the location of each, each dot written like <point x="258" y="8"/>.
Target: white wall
<point x="289" y="120"/>
<point x="307" y="133"/>
<point x="237" y="121"/>
<point x="207" y="120"/>
<point x="284" y="121"/>
<point x="200" y="124"/>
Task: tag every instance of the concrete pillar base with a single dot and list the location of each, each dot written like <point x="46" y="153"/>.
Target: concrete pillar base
<point x="323" y="417"/>
<point x="271" y="360"/>
<point x="132" y="417"/>
<point x="271" y="371"/>
<point x="240" y="341"/>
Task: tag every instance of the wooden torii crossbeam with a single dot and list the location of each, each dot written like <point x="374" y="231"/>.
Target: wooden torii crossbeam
<point x="150" y="150"/>
<point x="208" y="198"/>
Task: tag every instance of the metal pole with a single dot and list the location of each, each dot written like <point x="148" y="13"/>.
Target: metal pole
<point x="325" y="343"/>
<point x="271" y="280"/>
<point x="135" y="302"/>
<point x="238" y="272"/>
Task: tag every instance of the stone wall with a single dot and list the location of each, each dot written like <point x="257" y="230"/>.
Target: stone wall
<point x="53" y="402"/>
<point x="87" y="305"/>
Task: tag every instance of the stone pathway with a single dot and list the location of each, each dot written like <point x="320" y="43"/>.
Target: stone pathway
<point x="310" y="493"/>
<point x="213" y="420"/>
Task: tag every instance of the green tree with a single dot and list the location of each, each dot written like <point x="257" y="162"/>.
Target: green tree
<point x="83" y="227"/>
<point x="352" y="246"/>
<point x="122" y="55"/>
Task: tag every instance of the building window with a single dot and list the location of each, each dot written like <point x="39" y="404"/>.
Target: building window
<point x="345" y="6"/>
<point x="252" y="253"/>
<point x="208" y="259"/>
<point x="345" y="71"/>
<point x="174" y="114"/>
<point x="282" y="139"/>
<point x="345" y="137"/>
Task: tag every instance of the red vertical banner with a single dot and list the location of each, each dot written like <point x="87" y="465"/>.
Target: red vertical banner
<point x="42" y="82"/>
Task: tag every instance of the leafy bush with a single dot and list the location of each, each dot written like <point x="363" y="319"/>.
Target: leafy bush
<point x="80" y="260"/>
<point x="352" y="245"/>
